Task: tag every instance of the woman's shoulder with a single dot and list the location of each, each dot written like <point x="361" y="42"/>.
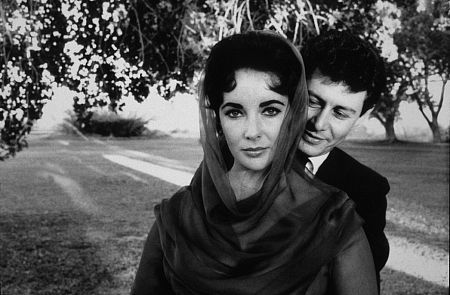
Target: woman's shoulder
<point x="170" y="210"/>
<point x="178" y="198"/>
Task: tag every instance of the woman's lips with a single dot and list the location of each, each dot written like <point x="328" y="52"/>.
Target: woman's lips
<point x="254" y="152"/>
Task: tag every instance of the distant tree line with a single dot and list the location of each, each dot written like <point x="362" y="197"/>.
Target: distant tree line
<point x="106" y="50"/>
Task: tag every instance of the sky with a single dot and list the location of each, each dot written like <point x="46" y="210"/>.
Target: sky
<point x="179" y="116"/>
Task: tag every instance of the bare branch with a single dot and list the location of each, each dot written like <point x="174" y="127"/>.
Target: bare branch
<point x="441" y="99"/>
<point x="379" y="117"/>
<point x="141" y="54"/>
<point x="421" y="109"/>
<point x="297" y="23"/>
<point x="249" y="15"/>
<point x="313" y="15"/>
<point x="163" y="59"/>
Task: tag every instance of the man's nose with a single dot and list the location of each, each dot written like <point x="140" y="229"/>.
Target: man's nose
<point x="320" y="120"/>
<point x="253" y="128"/>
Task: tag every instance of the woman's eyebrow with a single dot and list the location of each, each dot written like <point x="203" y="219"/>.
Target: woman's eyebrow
<point x="232" y="105"/>
<point x="269" y="102"/>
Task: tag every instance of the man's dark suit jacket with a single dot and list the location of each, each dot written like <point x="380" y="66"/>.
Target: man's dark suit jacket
<point x="368" y="190"/>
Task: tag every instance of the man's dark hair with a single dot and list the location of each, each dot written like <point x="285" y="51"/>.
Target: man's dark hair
<point x="345" y="58"/>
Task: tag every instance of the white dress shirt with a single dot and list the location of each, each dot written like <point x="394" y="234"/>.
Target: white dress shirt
<point x="317" y="161"/>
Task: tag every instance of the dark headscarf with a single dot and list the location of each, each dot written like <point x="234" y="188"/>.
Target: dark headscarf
<point x="275" y="241"/>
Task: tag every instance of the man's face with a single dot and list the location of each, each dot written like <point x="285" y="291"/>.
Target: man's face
<point x="332" y="112"/>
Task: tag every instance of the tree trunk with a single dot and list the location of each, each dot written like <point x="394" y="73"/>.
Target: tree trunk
<point x="435" y="130"/>
<point x="390" y="131"/>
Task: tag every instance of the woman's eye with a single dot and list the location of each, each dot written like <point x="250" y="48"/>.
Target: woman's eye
<point x="271" y="111"/>
<point x="233" y="113"/>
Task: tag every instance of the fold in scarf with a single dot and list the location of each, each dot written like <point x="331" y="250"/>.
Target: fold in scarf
<point x="274" y="242"/>
<point x="282" y="255"/>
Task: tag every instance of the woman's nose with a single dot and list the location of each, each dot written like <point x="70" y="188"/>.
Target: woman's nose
<point x="253" y="128"/>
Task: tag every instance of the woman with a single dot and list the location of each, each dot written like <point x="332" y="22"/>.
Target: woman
<point x="251" y="221"/>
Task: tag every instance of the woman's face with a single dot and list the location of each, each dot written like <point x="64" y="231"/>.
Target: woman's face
<point x="251" y="116"/>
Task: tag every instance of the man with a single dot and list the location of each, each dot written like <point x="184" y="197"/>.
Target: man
<point x="345" y="78"/>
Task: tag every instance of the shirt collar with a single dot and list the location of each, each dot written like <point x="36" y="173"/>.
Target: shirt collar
<point x="317" y="161"/>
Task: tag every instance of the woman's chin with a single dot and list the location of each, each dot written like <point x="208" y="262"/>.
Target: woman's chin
<point x="256" y="165"/>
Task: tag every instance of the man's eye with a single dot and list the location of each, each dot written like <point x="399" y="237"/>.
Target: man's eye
<point x="341" y="115"/>
<point x="233" y="113"/>
<point x="271" y="111"/>
<point x="314" y="103"/>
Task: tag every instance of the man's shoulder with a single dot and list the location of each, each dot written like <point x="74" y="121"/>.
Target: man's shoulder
<point x="356" y="166"/>
<point x="358" y="173"/>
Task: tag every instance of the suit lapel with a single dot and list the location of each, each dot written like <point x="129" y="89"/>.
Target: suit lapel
<point x="333" y="170"/>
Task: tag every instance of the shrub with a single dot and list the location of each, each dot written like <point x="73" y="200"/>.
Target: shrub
<point x="108" y="124"/>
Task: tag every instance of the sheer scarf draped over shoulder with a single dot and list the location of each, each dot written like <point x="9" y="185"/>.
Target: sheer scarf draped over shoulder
<point x="274" y="242"/>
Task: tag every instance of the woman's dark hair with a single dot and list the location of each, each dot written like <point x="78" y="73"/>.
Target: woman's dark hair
<point x="256" y="50"/>
<point x="262" y="51"/>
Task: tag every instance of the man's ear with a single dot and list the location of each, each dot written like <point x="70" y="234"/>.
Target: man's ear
<point x="366" y="114"/>
<point x="363" y="118"/>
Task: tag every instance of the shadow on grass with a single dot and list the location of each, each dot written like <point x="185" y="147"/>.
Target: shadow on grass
<point x="398" y="283"/>
<point x="439" y="241"/>
<point x="399" y="144"/>
<point x="49" y="254"/>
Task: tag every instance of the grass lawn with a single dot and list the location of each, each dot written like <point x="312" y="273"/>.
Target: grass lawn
<point x="418" y="202"/>
<point x="74" y="223"/>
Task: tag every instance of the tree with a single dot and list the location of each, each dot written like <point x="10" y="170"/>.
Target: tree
<point x="31" y="57"/>
<point x="424" y="44"/>
<point x="207" y="22"/>
<point x="385" y="24"/>
<point x="106" y="50"/>
<point x="125" y="46"/>
<point x="386" y="110"/>
<point x="375" y="21"/>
